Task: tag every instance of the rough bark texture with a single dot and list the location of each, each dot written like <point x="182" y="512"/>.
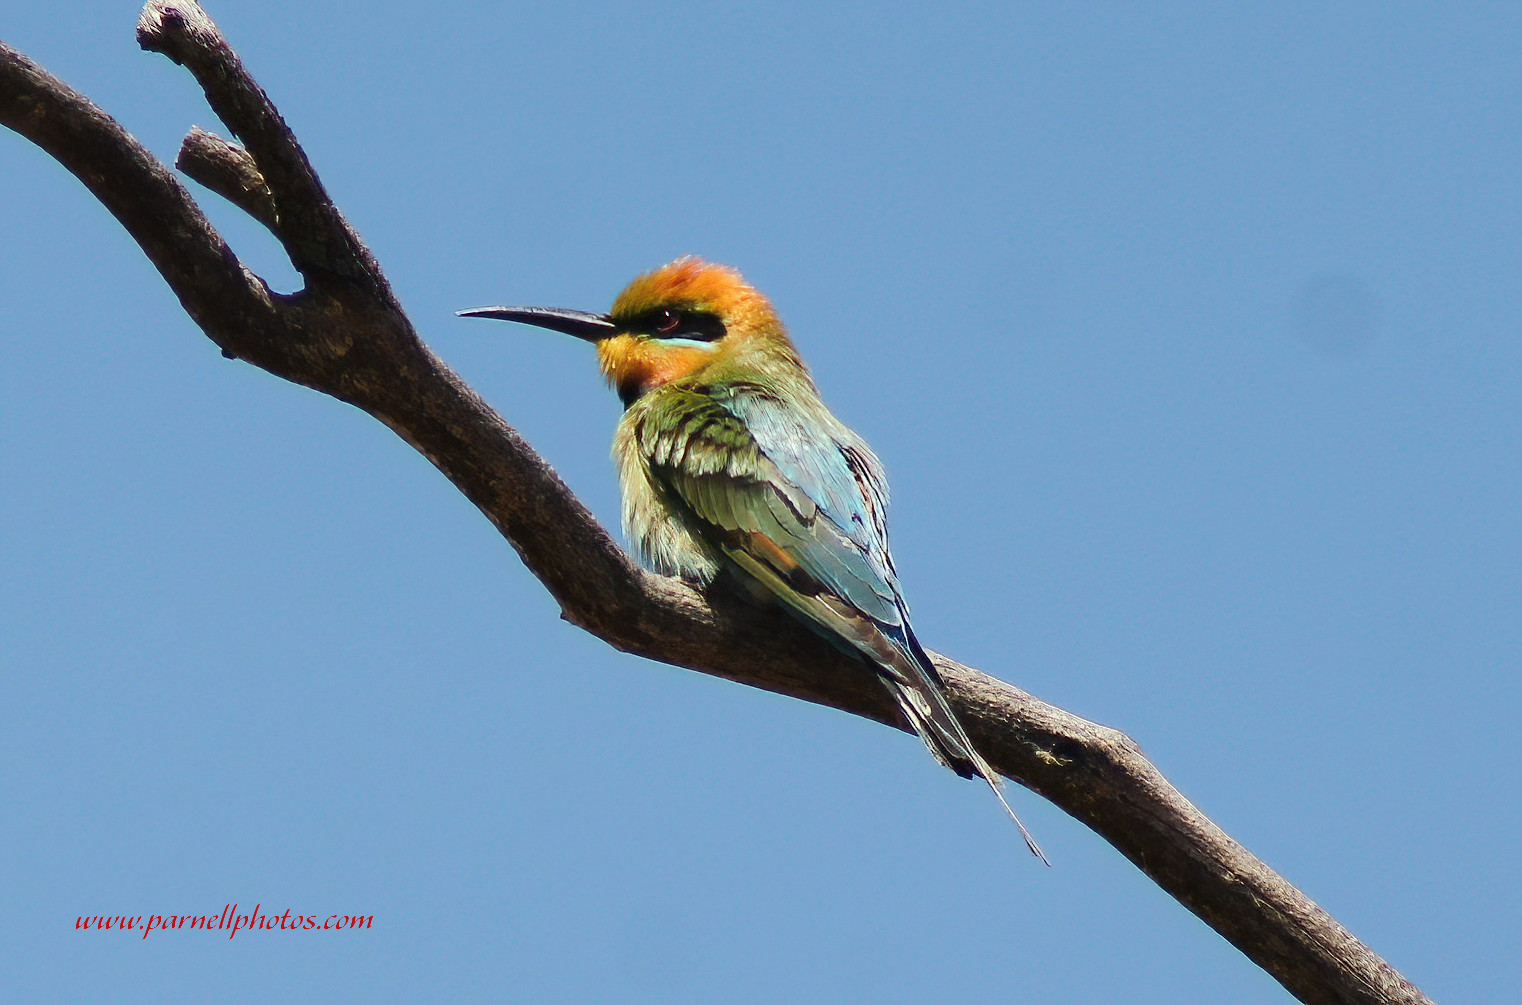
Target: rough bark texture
<point x="345" y="334"/>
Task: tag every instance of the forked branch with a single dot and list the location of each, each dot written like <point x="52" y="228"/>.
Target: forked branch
<point x="344" y="334"/>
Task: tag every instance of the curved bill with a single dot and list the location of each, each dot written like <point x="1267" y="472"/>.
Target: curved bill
<point x="591" y="327"/>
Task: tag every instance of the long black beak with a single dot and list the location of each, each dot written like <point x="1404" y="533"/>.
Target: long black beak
<point x="591" y="327"/>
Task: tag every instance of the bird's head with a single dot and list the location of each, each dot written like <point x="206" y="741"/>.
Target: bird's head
<point x="675" y="321"/>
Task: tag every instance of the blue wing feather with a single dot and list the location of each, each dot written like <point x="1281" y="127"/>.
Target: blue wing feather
<point x="798" y="503"/>
<point x="831" y="465"/>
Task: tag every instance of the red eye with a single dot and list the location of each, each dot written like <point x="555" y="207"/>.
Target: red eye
<point x="666" y="322"/>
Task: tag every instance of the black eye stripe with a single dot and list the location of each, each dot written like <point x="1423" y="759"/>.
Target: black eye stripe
<point x="700" y="326"/>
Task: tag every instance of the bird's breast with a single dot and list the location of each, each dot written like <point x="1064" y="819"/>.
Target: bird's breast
<point x="658" y="532"/>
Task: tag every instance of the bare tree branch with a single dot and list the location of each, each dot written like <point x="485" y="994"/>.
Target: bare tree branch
<point x="345" y="335"/>
<point x="228" y="170"/>
<point x="141" y="193"/>
<point x="316" y="236"/>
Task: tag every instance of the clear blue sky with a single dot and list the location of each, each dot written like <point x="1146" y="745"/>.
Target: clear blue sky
<point x="1190" y="338"/>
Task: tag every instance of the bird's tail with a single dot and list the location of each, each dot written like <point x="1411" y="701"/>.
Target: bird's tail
<point x="922" y="695"/>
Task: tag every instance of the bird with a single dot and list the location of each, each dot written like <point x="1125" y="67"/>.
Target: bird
<point x="729" y="460"/>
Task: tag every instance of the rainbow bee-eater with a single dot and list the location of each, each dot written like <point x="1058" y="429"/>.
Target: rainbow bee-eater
<point x="729" y="460"/>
